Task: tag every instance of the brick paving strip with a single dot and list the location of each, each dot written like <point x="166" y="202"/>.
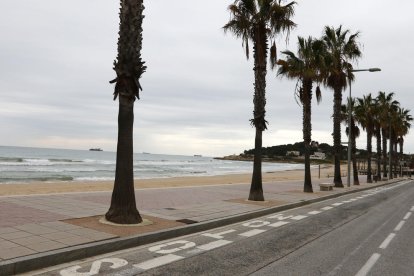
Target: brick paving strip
<point x="43" y="230"/>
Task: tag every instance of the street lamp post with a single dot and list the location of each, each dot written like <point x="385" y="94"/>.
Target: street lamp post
<point x="350" y="118"/>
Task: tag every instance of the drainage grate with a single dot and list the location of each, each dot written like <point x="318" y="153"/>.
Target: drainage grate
<point x="187" y="221"/>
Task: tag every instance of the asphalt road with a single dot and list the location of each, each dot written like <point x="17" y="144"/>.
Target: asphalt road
<point x="367" y="233"/>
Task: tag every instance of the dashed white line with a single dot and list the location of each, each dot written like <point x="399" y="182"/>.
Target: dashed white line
<point x="368" y="265"/>
<point x="387" y="241"/>
<point x="252" y="233"/>
<point x="214" y="244"/>
<point x="338" y="203"/>
<point x="327" y="208"/>
<point x="314" y="212"/>
<point x="412" y="208"/>
<point x="278" y="224"/>
<point x="299" y="217"/>
<point x="407" y="215"/>
<point x="159" y="261"/>
<point x="399" y="225"/>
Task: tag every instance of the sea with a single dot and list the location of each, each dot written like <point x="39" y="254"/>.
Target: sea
<point x="24" y="164"/>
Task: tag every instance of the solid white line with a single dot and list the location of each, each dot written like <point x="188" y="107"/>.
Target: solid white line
<point x="252" y="233"/>
<point x="314" y="212"/>
<point x="159" y="261"/>
<point x="387" y="241"/>
<point x="407" y="215"/>
<point x="214" y="244"/>
<point x="399" y="226"/>
<point x="278" y="224"/>
<point x="327" y="208"/>
<point x="337" y="204"/>
<point x="368" y="265"/>
<point x="299" y="217"/>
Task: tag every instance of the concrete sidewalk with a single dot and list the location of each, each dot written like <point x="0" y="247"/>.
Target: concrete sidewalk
<point x="35" y="229"/>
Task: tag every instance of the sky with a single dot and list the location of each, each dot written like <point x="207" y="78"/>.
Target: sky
<point x="56" y="63"/>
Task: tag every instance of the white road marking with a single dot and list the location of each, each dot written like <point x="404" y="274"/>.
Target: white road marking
<point x="252" y="233"/>
<point x="158" y="248"/>
<point x="407" y="215"/>
<point x="314" y="212"/>
<point x="353" y="199"/>
<point x="218" y="235"/>
<point x="327" y="208"/>
<point x="359" y="197"/>
<point x="280" y="217"/>
<point x="95" y="267"/>
<point x="337" y="204"/>
<point x="214" y="244"/>
<point x="368" y="265"/>
<point x="256" y="223"/>
<point x="299" y="217"/>
<point x="412" y="208"/>
<point x="387" y="241"/>
<point x="346" y="201"/>
<point x="159" y="261"/>
<point x="399" y="226"/>
<point x="278" y="224"/>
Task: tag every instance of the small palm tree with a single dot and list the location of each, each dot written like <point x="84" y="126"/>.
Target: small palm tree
<point x="342" y="49"/>
<point x="259" y="21"/>
<point x="128" y="67"/>
<point x="365" y="113"/>
<point x="306" y="67"/>
<point x="354" y="133"/>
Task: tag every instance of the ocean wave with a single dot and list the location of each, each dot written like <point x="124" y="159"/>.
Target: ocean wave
<point x="93" y="178"/>
<point x="10" y="159"/>
<point x="34" y="179"/>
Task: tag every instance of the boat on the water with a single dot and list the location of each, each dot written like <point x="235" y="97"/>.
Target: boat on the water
<point x="96" y="149"/>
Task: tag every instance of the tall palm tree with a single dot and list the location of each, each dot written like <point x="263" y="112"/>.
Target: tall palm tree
<point x="386" y="105"/>
<point x="306" y="67"/>
<point x="377" y="132"/>
<point x="259" y="21"/>
<point x="365" y="112"/>
<point x="401" y="128"/>
<point x="128" y="67"/>
<point x="354" y="133"/>
<point x="342" y="49"/>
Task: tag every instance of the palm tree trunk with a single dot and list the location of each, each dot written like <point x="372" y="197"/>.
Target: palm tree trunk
<point x="369" y="150"/>
<point x="337" y="136"/>
<point x="307" y="132"/>
<point x="384" y="152"/>
<point x="123" y="207"/>
<point x="259" y="100"/>
<point x="353" y="148"/>
<point x="378" y="135"/>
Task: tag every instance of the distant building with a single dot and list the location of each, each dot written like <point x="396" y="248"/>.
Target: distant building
<point x="293" y="153"/>
<point x="318" y="155"/>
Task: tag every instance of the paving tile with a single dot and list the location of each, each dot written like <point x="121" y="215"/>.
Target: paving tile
<point x="9" y="253"/>
<point x="75" y="241"/>
<point x="36" y="229"/>
<point x="45" y="246"/>
<point x="29" y="240"/>
<point x="57" y="236"/>
<point x="7" y="244"/>
<point x="5" y="230"/>
<point x="15" y="235"/>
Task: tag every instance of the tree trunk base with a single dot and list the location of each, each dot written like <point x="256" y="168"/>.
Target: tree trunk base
<point x="307" y="189"/>
<point x="123" y="216"/>
<point x="256" y="196"/>
<point x="356" y="182"/>
<point x="339" y="185"/>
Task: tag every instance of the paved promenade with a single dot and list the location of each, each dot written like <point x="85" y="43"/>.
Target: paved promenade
<point x="35" y="224"/>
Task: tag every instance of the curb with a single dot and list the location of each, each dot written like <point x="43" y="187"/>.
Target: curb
<point x="69" y="254"/>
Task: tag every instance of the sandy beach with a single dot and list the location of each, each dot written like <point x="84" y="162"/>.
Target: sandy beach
<point x="89" y="186"/>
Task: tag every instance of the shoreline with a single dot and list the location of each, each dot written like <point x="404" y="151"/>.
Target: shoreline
<point x="31" y="188"/>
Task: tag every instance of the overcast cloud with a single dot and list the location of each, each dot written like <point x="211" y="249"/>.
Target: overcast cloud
<point x="56" y="61"/>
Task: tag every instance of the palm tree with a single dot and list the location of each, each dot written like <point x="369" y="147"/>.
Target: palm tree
<point x="386" y="104"/>
<point x="401" y="128"/>
<point x="128" y="67"/>
<point x="365" y="112"/>
<point x="259" y="21"/>
<point x="342" y="49"/>
<point x="377" y="131"/>
<point x="354" y="133"/>
<point x="306" y="67"/>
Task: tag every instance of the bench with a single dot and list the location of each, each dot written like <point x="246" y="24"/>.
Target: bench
<point x="326" y="186"/>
